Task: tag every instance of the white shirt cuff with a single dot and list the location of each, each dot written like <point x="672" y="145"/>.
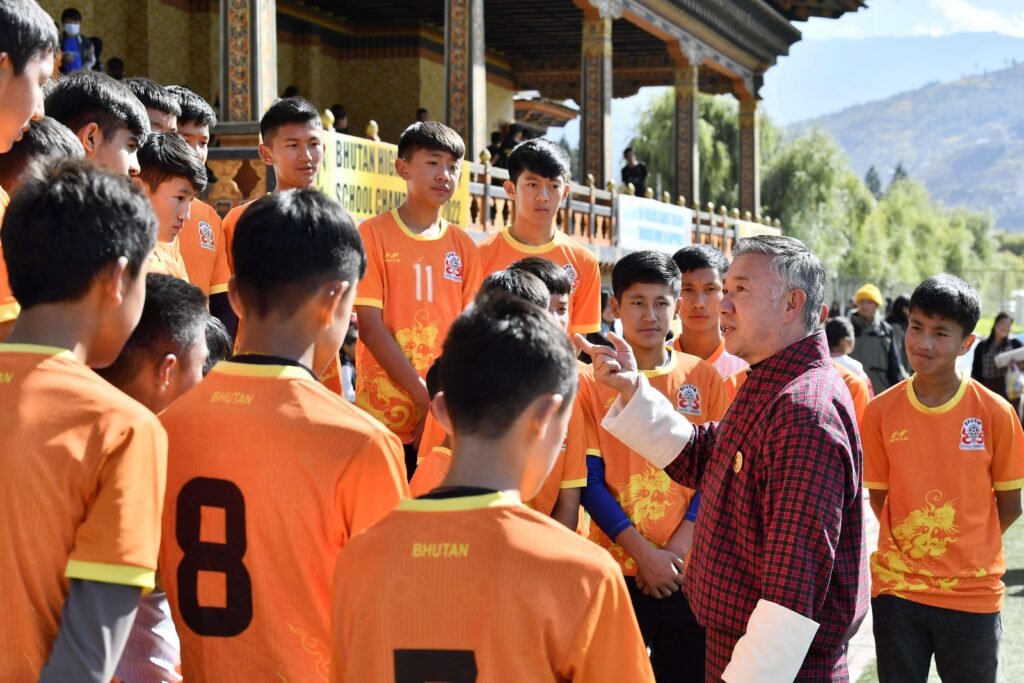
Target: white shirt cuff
<point x="649" y="425"/>
<point x="774" y="647"/>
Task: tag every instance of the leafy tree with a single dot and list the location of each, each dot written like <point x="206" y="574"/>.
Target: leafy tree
<point x="873" y="182"/>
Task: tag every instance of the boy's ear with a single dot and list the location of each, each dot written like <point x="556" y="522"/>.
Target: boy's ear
<point x="91" y="137"/>
<point x="440" y="409"/>
<point x="614" y="303"/>
<point x="568" y="189"/>
<point x="114" y="280"/>
<point x="542" y="413"/>
<point x="510" y="189"/>
<point x="402" y="167"/>
<point x="967" y="344"/>
<point x="266" y="154"/>
<point x="164" y="368"/>
<point x="234" y="298"/>
<point x="330" y="297"/>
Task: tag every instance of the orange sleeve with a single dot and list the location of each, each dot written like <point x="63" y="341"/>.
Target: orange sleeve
<point x="372" y="483"/>
<point x="474" y="274"/>
<point x="228" y="226"/>
<point x="574" y="467"/>
<point x="431" y="472"/>
<point x="592" y="445"/>
<point x="876" y="460"/>
<point x="120" y="536"/>
<point x="221" y="271"/>
<point x="432" y="437"/>
<point x="861" y="395"/>
<point x="1007" y="451"/>
<point x="718" y="400"/>
<point x="608" y="645"/>
<point x="586" y="302"/>
<point x="371" y="287"/>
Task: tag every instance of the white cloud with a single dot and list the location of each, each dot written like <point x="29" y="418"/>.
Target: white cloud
<point x="963" y="16"/>
<point x="932" y="30"/>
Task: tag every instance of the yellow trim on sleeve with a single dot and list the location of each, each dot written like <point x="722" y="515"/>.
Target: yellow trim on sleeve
<point x="416" y="236"/>
<point x="573" y="483"/>
<point x="9" y="312"/>
<point x="442" y="450"/>
<point x="965" y="380"/>
<point x="226" y="367"/>
<point x="366" y="301"/>
<point x="111" y="573"/>
<point x="1008" y="485"/>
<point x="218" y="289"/>
<point x="596" y="452"/>
<point x="527" y="248"/>
<point x="460" y="504"/>
<point x="876" y="485"/>
<point x="40" y="349"/>
<point x="585" y="329"/>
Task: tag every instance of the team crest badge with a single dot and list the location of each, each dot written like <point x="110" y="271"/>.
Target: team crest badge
<point x="688" y="400"/>
<point x="452" y="267"/>
<point x="972" y="437"/>
<point x="574" y="277"/>
<point x="206" y="240"/>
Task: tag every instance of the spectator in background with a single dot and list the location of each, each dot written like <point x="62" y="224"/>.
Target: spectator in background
<point x="634" y="172"/>
<point x="899" y="318"/>
<point x="291" y="91"/>
<point x="97" y="49"/>
<point x="348" y="363"/>
<point x="115" y="68"/>
<point x="998" y="341"/>
<point x="495" y="147"/>
<point x="877" y="346"/>
<point x="78" y="52"/>
<point x="422" y="115"/>
<point x="340" y="118"/>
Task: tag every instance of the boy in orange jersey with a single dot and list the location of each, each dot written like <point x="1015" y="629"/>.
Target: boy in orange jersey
<point x="254" y="519"/>
<point x="202" y="240"/>
<point x="639" y="512"/>
<point x="538" y="183"/>
<point x="162" y="108"/>
<point x="28" y="43"/>
<point x="162" y="359"/>
<point x="469" y="583"/>
<point x="44" y="139"/>
<point x="944" y="462"/>
<point x="841" y="338"/>
<point x="82" y="464"/>
<point x="172" y="175"/>
<point x="421" y="273"/>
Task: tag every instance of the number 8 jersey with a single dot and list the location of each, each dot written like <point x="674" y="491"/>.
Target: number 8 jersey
<point x="421" y="284"/>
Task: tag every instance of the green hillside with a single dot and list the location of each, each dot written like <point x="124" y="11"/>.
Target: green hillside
<point x="963" y="139"/>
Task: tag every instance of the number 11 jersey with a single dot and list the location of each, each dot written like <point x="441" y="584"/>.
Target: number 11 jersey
<point x="421" y="284"/>
<point x="269" y="476"/>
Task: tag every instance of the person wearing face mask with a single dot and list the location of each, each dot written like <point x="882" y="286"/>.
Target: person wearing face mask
<point x="78" y="51"/>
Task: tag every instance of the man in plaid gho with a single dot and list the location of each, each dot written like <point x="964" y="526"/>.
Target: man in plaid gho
<point x="778" y="573"/>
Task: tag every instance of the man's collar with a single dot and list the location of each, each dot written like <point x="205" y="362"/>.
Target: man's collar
<point x="794" y="360"/>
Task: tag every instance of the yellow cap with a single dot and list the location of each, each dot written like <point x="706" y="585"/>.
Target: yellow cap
<point x="869" y="292"/>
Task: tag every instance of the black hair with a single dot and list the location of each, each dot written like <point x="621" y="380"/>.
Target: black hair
<point x="554" y="278"/>
<point x="496" y="137"/>
<point x="948" y="296"/>
<point x="291" y="91"/>
<point x="72" y="13"/>
<point x="44" y="138"/>
<point x="433" y="378"/>
<point x="898" y="310"/>
<point x="518" y="283"/>
<point x="625" y="152"/>
<point x="501" y="355"/>
<point x="288" y="244"/>
<point x="1000" y="317"/>
<point x="194" y="109"/>
<point x="174" y="318"/>
<point x="605" y="296"/>
<point x="92" y="97"/>
<point x="430" y="135"/>
<point x="339" y="111"/>
<point x="153" y="95"/>
<point x="165" y="156"/>
<point x="696" y="256"/>
<point x="26" y="31"/>
<point x="68" y="221"/>
<point x="284" y="111"/>
<point x="218" y="343"/>
<point x="837" y="330"/>
<point x="646" y="267"/>
<point x="543" y="157"/>
<point x="421" y="111"/>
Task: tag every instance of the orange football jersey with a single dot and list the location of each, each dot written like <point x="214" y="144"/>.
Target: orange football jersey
<point x="254" y="518"/>
<point x="9" y="308"/>
<point x="859" y="388"/>
<point x="500" y="250"/>
<point x="430" y="471"/>
<point x="204" y="250"/>
<point x="421" y="284"/>
<point x="480" y="588"/>
<point x="228" y="229"/>
<point x="653" y="502"/>
<point x="940" y="542"/>
<point x="82" y="467"/>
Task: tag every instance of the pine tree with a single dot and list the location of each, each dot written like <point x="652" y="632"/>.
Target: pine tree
<point x="873" y="182"/>
<point x="899" y="174"/>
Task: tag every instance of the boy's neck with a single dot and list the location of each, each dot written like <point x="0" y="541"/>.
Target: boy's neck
<point x="495" y="464"/>
<point x="420" y="217"/>
<point x="274" y="338"/>
<point x="936" y="389"/>
<point x="649" y="359"/>
<point x="283" y="185"/>
<point x="700" y="344"/>
<point x="63" y="326"/>
<point x="532" y="234"/>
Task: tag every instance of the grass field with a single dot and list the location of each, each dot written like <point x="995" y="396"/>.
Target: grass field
<point x="1011" y="659"/>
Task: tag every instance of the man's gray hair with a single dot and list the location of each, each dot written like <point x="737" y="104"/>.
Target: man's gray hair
<point x="795" y="265"/>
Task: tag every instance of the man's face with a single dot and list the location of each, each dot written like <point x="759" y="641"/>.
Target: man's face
<point x="431" y="174"/>
<point x="119" y="153"/>
<point x="559" y="308"/>
<point x="537" y="198"/>
<point x="752" y="308"/>
<point x="171" y="201"/>
<point x="866" y="308"/>
<point x="295" y="151"/>
<point x="646" y="311"/>
<point x="22" y="96"/>
<point x="934" y="342"/>
<point x="161" y="122"/>
<point x="630" y="158"/>
<point x="197" y="137"/>
<point x="698" y="301"/>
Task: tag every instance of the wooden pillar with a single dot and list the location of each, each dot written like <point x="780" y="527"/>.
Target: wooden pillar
<point x="466" y="72"/>
<point x="596" y="97"/>
<point x="687" y="137"/>
<point x="248" y="68"/>
<point x="750" y="157"/>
